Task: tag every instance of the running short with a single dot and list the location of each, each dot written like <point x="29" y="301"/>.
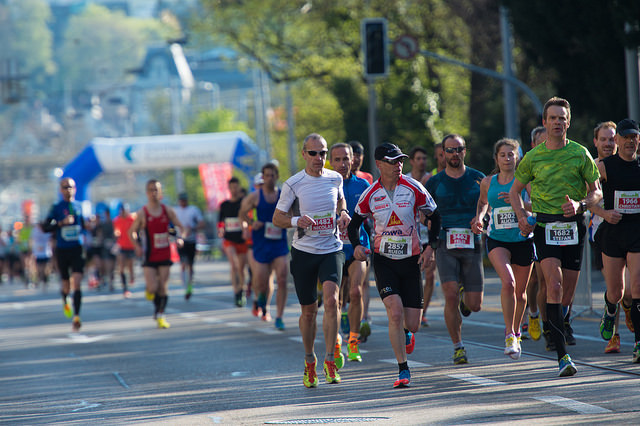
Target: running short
<point x="401" y="277"/>
<point x="128" y="253"/>
<point x="570" y="256"/>
<point x="157" y="264"/>
<point x="42" y="260"/>
<point x="461" y="266"/>
<point x="187" y="252"/>
<point x="348" y="262"/>
<point x="308" y="268"/>
<point x="267" y="252"/>
<point x="616" y="240"/>
<point x="94" y="252"/>
<point x="69" y="258"/>
<point x="241" y="248"/>
<point x="522" y="252"/>
<point x="596" y="254"/>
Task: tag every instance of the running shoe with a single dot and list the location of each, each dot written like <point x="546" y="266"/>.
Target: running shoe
<point x="266" y="317"/>
<point x="66" y="309"/>
<point x="163" y="323"/>
<point x="344" y="323"/>
<point x="568" y="334"/>
<point x="126" y="294"/>
<point x="636" y="353"/>
<point x="534" y="327"/>
<point x="338" y="356"/>
<point x="255" y="310"/>
<point x="149" y="296"/>
<point x="365" y="330"/>
<point x="516" y="355"/>
<point x="464" y="310"/>
<point x="566" y="367"/>
<point x="279" y="324"/>
<point x="404" y="378"/>
<point x="510" y="345"/>
<point x="606" y="325"/>
<point x="613" y="347"/>
<point x="331" y="372"/>
<point x="353" y="353"/>
<point x="550" y="345"/>
<point x="424" y="322"/>
<point x="460" y="356"/>
<point x="410" y="341"/>
<point x="240" y="300"/>
<point x="310" y="378"/>
<point x="189" y="292"/>
<point x="525" y="331"/>
<point x="627" y="316"/>
<point x="76" y="324"/>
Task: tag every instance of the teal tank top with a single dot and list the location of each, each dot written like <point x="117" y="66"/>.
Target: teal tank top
<point x="503" y="222"/>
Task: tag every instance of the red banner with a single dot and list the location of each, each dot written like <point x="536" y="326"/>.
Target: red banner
<point x="215" y="178"/>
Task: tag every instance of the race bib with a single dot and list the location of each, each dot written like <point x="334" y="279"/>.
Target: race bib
<point x="70" y="233"/>
<point x="161" y="240"/>
<point x="504" y="218"/>
<point x="627" y="202"/>
<point x="395" y="247"/>
<point x="272" y="232"/>
<point x="232" y="224"/>
<point x="344" y="237"/>
<point x="561" y="233"/>
<point x="459" y="238"/>
<point x="325" y="223"/>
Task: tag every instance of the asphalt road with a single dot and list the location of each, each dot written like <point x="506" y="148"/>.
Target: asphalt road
<point x="218" y="364"/>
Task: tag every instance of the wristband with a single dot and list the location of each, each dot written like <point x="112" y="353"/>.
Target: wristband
<point x="294" y="221"/>
<point x="343" y="210"/>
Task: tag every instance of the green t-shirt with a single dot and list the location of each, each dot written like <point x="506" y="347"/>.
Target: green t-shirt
<point x="556" y="173"/>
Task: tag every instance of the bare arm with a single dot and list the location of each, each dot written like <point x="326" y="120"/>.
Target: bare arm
<point x="248" y="203"/>
<point x="517" y="203"/>
<point x="482" y="207"/>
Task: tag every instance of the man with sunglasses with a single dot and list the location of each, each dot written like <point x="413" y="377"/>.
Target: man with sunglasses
<point x="66" y="220"/>
<point x="458" y="253"/>
<point x="312" y="201"/>
<point x="393" y="202"/>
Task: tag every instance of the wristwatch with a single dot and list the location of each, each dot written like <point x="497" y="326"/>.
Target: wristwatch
<point x="583" y="207"/>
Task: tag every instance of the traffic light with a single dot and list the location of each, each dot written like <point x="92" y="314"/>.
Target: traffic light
<point x="374" y="46"/>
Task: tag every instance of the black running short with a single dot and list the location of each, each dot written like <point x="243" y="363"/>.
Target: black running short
<point x="69" y="259"/>
<point x="570" y="255"/>
<point x="522" y="252"/>
<point x="618" y="240"/>
<point x="308" y="268"/>
<point x="187" y="252"/>
<point x="401" y="277"/>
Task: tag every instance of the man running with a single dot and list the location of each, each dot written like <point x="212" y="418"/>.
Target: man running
<point x="153" y="221"/>
<point x="564" y="183"/>
<point x="270" y="247"/>
<point x="66" y="220"/>
<point x="315" y="198"/>
<point x="124" y="247"/>
<point x="458" y="252"/>
<point x="358" y="155"/>
<point x="192" y="220"/>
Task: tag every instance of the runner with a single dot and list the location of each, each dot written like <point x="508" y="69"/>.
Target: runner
<point x="354" y="278"/>
<point x="42" y="251"/>
<point x="153" y="223"/>
<point x="564" y="182"/>
<point x="65" y="219"/>
<point x="618" y="235"/>
<point x="107" y="258"/>
<point x="394" y="201"/>
<point x="192" y="220"/>
<point x="510" y="252"/>
<point x="270" y="247"/>
<point x="314" y="197"/>
<point x="458" y="251"/>
<point x="233" y="245"/>
<point x="358" y="155"/>
<point x="124" y="248"/>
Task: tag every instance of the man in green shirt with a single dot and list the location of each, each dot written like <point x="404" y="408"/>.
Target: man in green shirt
<point x="564" y="184"/>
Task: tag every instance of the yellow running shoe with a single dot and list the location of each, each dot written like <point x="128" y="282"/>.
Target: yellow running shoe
<point x="353" y="353"/>
<point x="614" y="345"/>
<point x="66" y="309"/>
<point x="149" y="296"/>
<point x="331" y="372"/>
<point x="535" y="331"/>
<point x="627" y="316"/>
<point x="163" y="323"/>
<point x="337" y="353"/>
<point x="310" y="378"/>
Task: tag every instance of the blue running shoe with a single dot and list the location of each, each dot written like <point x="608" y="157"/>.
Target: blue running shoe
<point x="344" y="323"/>
<point x="404" y="378"/>
<point x="410" y="341"/>
<point x="566" y="367"/>
<point x="279" y="324"/>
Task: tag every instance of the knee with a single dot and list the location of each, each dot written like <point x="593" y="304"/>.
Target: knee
<point x="474" y="305"/>
<point x="330" y="301"/>
<point x="355" y="293"/>
<point x="309" y="313"/>
<point x="614" y="295"/>
<point x="396" y="316"/>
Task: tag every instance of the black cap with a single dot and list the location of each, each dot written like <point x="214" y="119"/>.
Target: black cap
<point x="389" y="151"/>
<point x="183" y="196"/>
<point x="627" y="127"/>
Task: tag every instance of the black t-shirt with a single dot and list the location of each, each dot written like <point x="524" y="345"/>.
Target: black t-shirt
<point x="622" y="176"/>
<point x="229" y="216"/>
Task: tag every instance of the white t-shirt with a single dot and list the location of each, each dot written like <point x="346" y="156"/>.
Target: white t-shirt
<point x="316" y="197"/>
<point x="189" y="216"/>
<point x="41" y="243"/>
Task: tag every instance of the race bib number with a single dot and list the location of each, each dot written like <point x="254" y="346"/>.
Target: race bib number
<point x="344" y="237"/>
<point x="70" y="233"/>
<point x="161" y="240"/>
<point x="325" y="223"/>
<point x="561" y="233"/>
<point x="272" y="232"/>
<point x="504" y="218"/>
<point x="232" y="224"/>
<point x="627" y="202"/>
<point x="460" y="238"/>
<point x="395" y="247"/>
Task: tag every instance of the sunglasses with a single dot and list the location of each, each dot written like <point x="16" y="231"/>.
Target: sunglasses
<point x="314" y="153"/>
<point x="457" y="149"/>
<point x="394" y="161"/>
<point x="68" y="187"/>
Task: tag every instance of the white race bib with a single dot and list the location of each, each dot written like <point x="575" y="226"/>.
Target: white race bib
<point x="504" y="218"/>
<point x="627" y="202"/>
<point x="232" y="224"/>
<point x="325" y="223"/>
<point x="395" y="247"/>
<point x="161" y="240"/>
<point x="272" y="232"/>
<point x="459" y="238"/>
<point x="344" y="237"/>
<point x="561" y="233"/>
<point x="70" y="232"/>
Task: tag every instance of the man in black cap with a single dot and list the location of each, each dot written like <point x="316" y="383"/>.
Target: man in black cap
<point x="618" y="235"/>
<point x="191" y="218"/>
<point x="392" y="202"/>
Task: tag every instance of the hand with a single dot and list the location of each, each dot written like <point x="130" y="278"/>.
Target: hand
<point x="570" y="207"/>
<point x="612" y="216"/>
<point x="476" y="226"/>
<point x="257" y="225"/>
<point x="305" y="222"/>
<point x="525" y="227"/>
<point x="343" y="220"/>
<point x="69" y="220"/>
<point x="505" y="196"/>
<point x="426" y="258"/>
<point x="361" y="253"/>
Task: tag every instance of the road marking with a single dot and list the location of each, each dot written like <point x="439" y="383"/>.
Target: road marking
<point x="476" y="380"/>
<point x="570" y="404"/>
<point x="121" y="380"/>
<point x="212" y="320"/>
<point x="268" y="331"/>
<point x="188" y="315"/>
<point x="410" y="363"/>
<point x="82" y="338"/>
<point x="236" y="324"/>
<point x="84" y="405"/>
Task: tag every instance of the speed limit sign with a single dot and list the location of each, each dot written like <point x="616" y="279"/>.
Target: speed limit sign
<point x="405" y="47"/>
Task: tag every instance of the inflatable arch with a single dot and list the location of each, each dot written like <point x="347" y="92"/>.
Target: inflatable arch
<point x="160" y="152"/>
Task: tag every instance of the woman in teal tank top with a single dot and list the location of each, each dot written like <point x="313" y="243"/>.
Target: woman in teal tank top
<point x="510" y="252"/>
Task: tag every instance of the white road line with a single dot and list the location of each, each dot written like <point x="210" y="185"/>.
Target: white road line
<point x="212" y="320"/>
<point x="236" y="324"/>
<point x="268" y="331"/>
<point x="570" y="404"/>
<point x="120" y="380"/>
<point x="476" y="380"/>
<point x="411" y="363"/>
<point x="188" y="315"/>
<point x="501" y="327"/>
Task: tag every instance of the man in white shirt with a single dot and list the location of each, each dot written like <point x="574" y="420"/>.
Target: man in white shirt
<point x="191" y="218"/>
